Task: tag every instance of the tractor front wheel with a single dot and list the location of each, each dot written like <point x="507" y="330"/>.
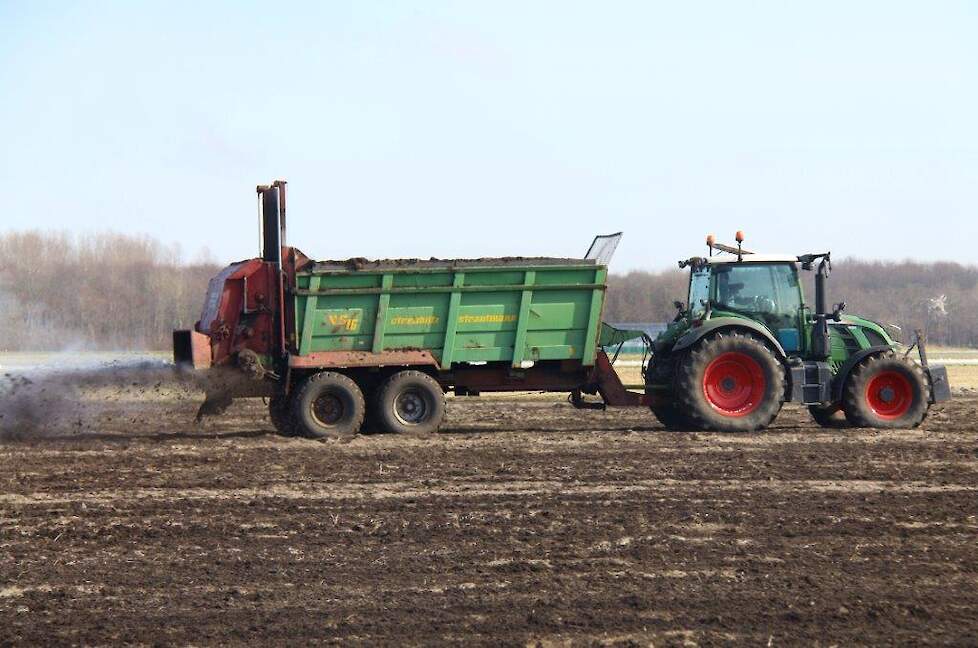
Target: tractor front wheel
<point x="731" y="382"/>
<point x="886" y="391"/>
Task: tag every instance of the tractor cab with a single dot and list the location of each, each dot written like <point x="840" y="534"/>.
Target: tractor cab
<point x="765" y="291"/>
<point x="762" y="288"/>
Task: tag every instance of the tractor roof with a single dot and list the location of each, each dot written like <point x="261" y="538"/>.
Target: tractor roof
<point x="752" y="258"/>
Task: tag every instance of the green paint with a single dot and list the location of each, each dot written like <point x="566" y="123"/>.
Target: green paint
<point x="519" y="344"/>
<point x="380" y="322"/>
<point x="594" y="319"/>
<point x="451" y="322"/>
<point x="508" y="313"/>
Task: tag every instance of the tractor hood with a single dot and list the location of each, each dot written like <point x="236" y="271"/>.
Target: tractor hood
<point x="874" y="333"/>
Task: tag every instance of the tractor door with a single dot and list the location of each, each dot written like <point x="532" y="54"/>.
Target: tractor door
<point x="768" y="293"/>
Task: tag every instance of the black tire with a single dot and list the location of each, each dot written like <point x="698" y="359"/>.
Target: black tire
<point x="730" y="382"/>
<point x="371" y="424"/>
<point x="828" y="416"/>
<point x="672" y="418"/>
<point x="886" y="391"/>
<point x="410" y="402"/>
<point x="669" y="415"/>
<point x="328" y="404"/>
<point x="280" y="412"/>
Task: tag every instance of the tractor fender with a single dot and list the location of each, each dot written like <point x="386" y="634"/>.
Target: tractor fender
<point x="694" y="335"/>
<point x="842" y="375"/>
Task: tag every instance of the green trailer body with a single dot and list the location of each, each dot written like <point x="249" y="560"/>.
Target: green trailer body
<point x="491" y="310"/>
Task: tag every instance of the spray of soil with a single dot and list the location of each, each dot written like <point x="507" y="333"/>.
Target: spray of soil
<point x="50" y="402"/>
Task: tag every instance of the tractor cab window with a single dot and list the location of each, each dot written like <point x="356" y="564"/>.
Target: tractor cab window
<point x="767" y="292"/>
<point x="699" y="292"/>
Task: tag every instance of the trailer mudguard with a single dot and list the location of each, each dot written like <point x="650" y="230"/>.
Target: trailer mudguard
<point x="694" y="335"/>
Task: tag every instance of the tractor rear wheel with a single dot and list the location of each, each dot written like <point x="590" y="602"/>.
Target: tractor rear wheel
<point x="668" y="414"/>
<point x="328" y="404"/>
<point x="410" y="402"/>
<point x="673" y="418"/>
<point x="886" y="391"/>
<point x="731" y="382"/>
<point x="280" y="412"/>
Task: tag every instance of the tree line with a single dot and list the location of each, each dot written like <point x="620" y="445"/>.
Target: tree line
<point x="96" y="292"/>
<point x="119" y="292"/>
<point x="939" y="298"/>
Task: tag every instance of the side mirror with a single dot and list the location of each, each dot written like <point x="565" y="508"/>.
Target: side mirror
<point x="679" y="305"/>
<point x="837" y="313"/>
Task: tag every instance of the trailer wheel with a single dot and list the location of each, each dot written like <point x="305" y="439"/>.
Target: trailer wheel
<point x="280" y="412"/>
<point x="410" y="402"/>
<point x="328" y="404"/>
<point x="370" y="423"/>
<point x="886" y="391"/>
<point x="731" y="382"/>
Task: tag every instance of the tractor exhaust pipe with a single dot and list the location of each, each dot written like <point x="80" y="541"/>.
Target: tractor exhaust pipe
<point x="821" y="341"/>
<point x="821" y="300"/>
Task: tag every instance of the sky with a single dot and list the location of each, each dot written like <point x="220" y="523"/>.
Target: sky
<point x="470" y="129"/>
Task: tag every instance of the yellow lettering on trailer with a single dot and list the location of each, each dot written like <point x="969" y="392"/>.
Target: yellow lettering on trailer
<point x="348" y="322"/>
<point x="485" y="319"/>
<point x="416" y="320"/>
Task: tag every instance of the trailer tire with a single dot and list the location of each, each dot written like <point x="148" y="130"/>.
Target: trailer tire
<point x="731" y="382"/>
<point x="370" y="423"/>
<point x="328" y="404"/>
<point x="886" y="391"/>
<point x="280" y="412"/>
<point x="410" y="402"/>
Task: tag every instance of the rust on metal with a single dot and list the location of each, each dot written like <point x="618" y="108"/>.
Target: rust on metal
<point x="192" y="349"/>
<point x="612" y="391"/>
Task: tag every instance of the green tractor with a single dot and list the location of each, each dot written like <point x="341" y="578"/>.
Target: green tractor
<point x="746" y="343"/>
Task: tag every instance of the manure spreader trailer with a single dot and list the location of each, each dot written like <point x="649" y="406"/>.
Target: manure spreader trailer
<point x="330" y="343"/>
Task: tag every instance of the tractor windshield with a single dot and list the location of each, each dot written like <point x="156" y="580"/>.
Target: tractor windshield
<point x="699" y="292"/>
<point x="768" y="292"/>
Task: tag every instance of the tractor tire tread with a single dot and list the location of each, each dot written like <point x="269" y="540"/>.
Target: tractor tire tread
<point x="690" y="396"/>
<point x="854" y="405"/>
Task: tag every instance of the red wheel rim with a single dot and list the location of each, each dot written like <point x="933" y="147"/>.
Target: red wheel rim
<point x="734" y="384"/>
<point x="889" y="394"/>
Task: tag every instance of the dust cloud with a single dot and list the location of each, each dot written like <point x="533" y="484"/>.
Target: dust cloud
<point x="51" y="401"/>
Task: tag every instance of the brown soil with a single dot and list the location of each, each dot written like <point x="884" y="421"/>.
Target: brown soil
<point x="525" y="522"/>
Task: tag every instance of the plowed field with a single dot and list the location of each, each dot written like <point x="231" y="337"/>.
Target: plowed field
<point x="525" y="521"/>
